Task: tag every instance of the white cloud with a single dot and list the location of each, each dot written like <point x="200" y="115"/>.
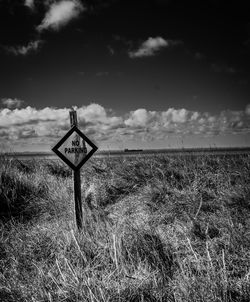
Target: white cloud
<point x="175" y="116"/>
<point x="194" y="116"/>
<point x="60" y="13"/>
<point x="32" y="46"/>
<point x="95" y="114"/>
<point x="30" y="116"/>
<point x="49" y="124"/>
<point x="52" y="122"/>
<point x="139" y="118"/>
<point x="211" y="119"/>
<point x="30" y="4"/>
<point x="12" y="103"/>
<point x="151" y="47"/>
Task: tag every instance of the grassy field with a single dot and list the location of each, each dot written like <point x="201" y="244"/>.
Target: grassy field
<point x="156" y="229"/>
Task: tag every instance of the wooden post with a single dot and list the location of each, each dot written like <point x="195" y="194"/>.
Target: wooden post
<point x="77" y="181"/>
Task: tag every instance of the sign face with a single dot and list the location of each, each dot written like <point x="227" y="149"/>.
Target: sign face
<point x="75" y="148"/>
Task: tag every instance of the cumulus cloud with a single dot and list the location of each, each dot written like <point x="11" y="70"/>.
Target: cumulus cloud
<point x="53" y="122"/>
<point x="139" y="118"/>
<point x="194" y="116"/>
<point x="97" y="117"/>
<point x="175" y="116"/>
<point x="151" y="47"/>
<point x="31" y="115"/>
<point x="50" y="124"/>
<point x="12" y="103"/>
<point x="183" y="121"/>
<point x="24" y="50"/>
<point x="60" y="13"/>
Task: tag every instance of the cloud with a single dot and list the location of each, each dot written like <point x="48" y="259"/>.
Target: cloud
<point x="52" y="123"/>
<point x="96" y="116"/>
<point x="29" y="116"/>
<point x="4" y="134"/>
<point x="60" y="13"/>
<point x="139" y="118"/>
<point x="151" y="47"/>
<point x="30" y="4"/>
<point x="248" y="109"/>
<point x="175" y="116"/>
<point x="32" y="46"/>
<point x="12" y="103"/>
<point x="49" y="124"/>
<point x="184" y="122"/>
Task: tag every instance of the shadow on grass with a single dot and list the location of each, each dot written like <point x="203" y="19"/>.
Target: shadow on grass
<point x="17" y="196"/>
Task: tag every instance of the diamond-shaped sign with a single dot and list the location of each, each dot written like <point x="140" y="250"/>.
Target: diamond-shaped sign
<point x="75" y="148"/>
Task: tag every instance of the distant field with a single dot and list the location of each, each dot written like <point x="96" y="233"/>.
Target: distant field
<point x="156" y="228"/>
<point x="183" y="151"/>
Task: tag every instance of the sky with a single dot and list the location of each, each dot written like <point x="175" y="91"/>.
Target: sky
<point x="141" y="74"/>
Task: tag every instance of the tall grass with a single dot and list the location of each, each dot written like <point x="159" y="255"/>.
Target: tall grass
<point x="155" y="229"/>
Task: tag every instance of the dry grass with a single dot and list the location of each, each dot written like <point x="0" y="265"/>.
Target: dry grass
<point x="156" y="229"/>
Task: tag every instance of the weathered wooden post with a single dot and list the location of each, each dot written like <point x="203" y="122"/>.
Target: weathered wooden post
<point x="77" y="176"/>
<point x="75" y="153"/>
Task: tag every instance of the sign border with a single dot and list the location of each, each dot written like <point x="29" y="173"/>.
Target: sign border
<point x="64" y="158"/>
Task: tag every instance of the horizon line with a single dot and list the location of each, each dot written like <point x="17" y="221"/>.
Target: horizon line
<point x="141" y="150"/>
